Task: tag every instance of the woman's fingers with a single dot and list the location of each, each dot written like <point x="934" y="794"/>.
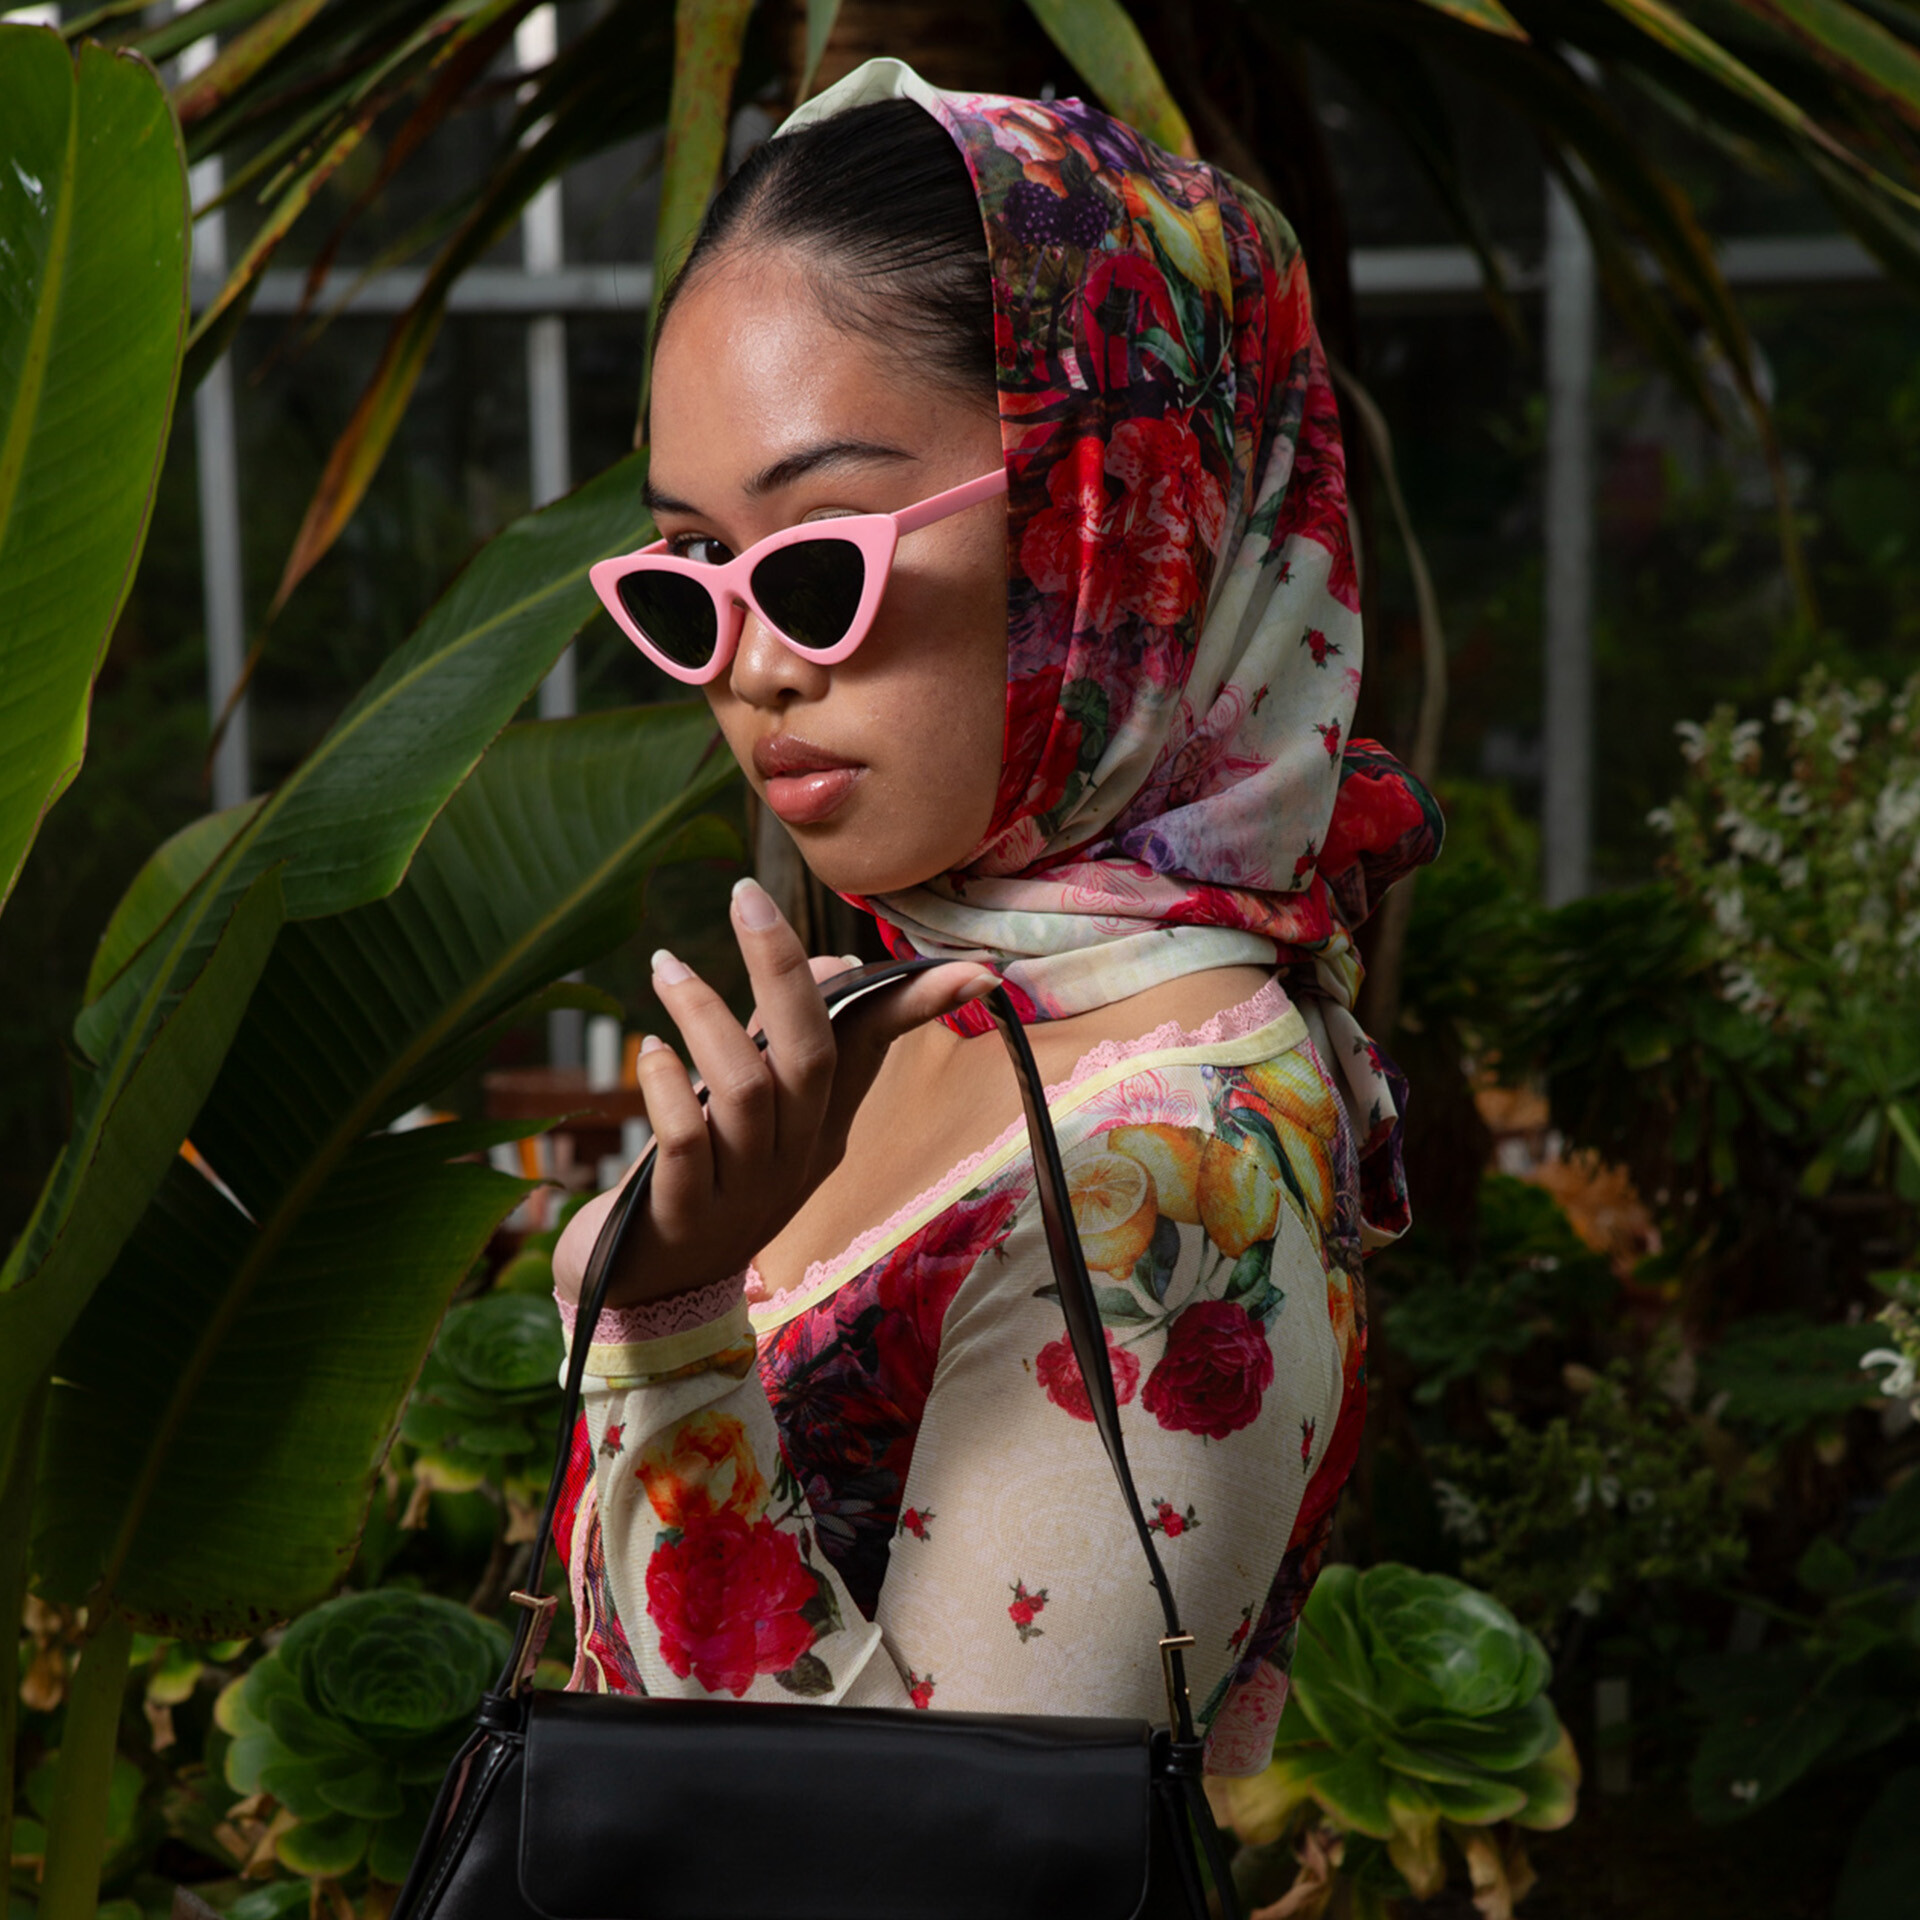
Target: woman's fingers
<point x="738" y="1081"/>
<point x="823" y="968"/>
<point x="800" y="1044"/>
<point x="683" y="1173"/>
<point x="774" y="1120"/>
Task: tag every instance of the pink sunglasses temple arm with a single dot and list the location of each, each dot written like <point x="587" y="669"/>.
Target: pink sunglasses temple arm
<point x="954" y="500"/>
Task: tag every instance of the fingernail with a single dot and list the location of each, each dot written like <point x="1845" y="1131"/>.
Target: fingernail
<point x="650" y="1044"/>
<point x="669" y="971"/>
<point x="851" y="960"/>
<point x="755" y="904"/>
<point x="977" y="989"/>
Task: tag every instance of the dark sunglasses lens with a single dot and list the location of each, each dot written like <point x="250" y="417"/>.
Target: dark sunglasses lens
<point x="675" y="613"/>
<point x="812" y="590"/>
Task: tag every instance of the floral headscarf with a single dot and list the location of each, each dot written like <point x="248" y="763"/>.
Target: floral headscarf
<point x="1177" y="790"/>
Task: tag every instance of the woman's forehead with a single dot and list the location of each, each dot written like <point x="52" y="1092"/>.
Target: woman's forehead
<point x="754" y="383"/>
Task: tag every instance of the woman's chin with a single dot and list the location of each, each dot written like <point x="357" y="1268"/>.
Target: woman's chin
<point x="848" y="861"/>
<point x="865" y="847"/>
<point x="863" y="879"/>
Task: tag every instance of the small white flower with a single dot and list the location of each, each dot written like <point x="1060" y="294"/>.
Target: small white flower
<point x="1609" y="1490"/>
<point x="1792" y="799"/>
<point x="1730" y="912"/>
<point x="1749" y="839"/>
<point x="1900" y="1380"/>
<point x="1660" y="819"/>
<point x="1586" y="1601"/>
<point x="1793" y="873"/>
<point x="1640" y="1500"/>
<point x="1745" y="1791"/>
<point x="1846" y="956"/>
<point x="1746" y="992"/>
<point x="1693" y="741"/>
<point x="1896" y="811"/>
<point x="1459" y="1513"/>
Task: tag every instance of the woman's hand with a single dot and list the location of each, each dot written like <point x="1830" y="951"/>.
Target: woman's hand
<point x="730" y="1176"/>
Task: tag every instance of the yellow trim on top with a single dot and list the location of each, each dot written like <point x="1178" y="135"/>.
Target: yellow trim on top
<point x="1278" y="1036"/>
<point x="669" y="1352"/>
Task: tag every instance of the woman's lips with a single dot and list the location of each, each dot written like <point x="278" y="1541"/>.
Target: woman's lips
<point x="804" y="783"/>
<point x="801" y="799"/>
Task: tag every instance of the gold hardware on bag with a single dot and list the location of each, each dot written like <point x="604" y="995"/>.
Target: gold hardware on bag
<point x="1170" y="1644"/>
<point x="543" y="1607"/>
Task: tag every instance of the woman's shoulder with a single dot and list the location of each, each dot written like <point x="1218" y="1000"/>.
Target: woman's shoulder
<point x="1226" y="1012"/>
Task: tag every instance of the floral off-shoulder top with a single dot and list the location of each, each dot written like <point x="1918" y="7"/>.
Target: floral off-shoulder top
<point x="884" y="1488"/>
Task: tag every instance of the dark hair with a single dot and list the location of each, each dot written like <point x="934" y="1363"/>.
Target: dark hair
<point x="879" y="199"/>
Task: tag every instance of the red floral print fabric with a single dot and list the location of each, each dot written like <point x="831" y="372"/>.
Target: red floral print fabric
<point x="910" y="1485"/>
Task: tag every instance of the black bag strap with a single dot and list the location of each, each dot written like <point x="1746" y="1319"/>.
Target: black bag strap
<point x="1084" y="1330"/>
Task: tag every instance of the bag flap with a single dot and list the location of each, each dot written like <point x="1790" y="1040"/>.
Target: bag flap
<point x="694" y="1810"/>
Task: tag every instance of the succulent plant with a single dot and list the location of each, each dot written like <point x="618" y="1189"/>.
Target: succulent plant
<point x="1417" y="1708"/>
<point x="484" y="1409"/>
<point x="350" y="1722"/>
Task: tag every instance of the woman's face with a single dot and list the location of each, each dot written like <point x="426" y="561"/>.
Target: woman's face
<point x="764" y="415"/>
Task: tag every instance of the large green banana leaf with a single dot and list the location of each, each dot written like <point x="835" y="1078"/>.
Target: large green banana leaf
<point x="221" y="1408"/>
<point x="342" y="829"/>
<point x="707" y="38"/>
<point x="93" y="310"/>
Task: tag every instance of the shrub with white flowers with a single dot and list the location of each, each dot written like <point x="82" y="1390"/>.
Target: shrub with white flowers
<point x="1582" y="1516"/>
<point x="1804" y="852"/>
<point x="1897" y="1365"/>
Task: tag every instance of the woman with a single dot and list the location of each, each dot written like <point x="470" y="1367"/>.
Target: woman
<point x="1092" y="743"/>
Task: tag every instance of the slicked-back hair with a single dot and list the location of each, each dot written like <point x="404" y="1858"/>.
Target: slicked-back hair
<point x="879" y="207"/>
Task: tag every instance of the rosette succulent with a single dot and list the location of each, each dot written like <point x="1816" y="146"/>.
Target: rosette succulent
<point x="1417" y="1709"/>
<point x="484" y="1409"/>
<point x="350" y="1723"/>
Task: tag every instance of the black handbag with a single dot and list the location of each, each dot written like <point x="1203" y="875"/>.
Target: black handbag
<point x="565" y="1806"/>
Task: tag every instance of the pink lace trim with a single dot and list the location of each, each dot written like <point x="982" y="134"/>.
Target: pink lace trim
<point x="655" y="1319"/>
<point x="1232" y="1023"/>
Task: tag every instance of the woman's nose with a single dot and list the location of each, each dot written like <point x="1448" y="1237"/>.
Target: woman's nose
<point x="766" y="671"/>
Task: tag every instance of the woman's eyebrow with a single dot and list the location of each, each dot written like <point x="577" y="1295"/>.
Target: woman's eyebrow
<point x="782" y="473"/>
<point x="830" y="453"/>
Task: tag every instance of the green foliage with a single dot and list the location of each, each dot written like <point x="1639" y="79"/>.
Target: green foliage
<point x="1883" y="1862"/>
<point x="1579" y="1516"/>
<point x="276" y="1314"/>
<point x="351" y="1721"/>
<point x="200" y="1345"/>
<point x="1418" y="1706"/>
<point x="129" y="1823"/>
<point x="1474" y="915"/>
<point x="411" y="736"/>
<point x="1643" y="1058"/>
<point x="1846" y="1683"/>
<point x="94" y="225"/>
<point x="484" y="1409"/>
<point x="1783" y="1374"/>
<point x="1533" y="1275"/>
<point x="93" y="230"/>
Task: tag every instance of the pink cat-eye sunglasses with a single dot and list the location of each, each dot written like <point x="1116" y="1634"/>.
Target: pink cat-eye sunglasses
<point x="816" y="587"/>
